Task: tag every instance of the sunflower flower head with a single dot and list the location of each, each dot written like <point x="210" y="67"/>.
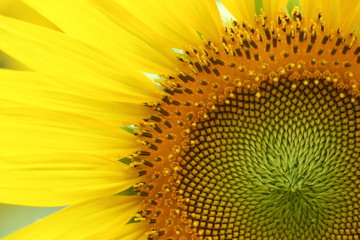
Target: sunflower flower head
<point x="256" y="125"/>
<point x="252" y="131"/>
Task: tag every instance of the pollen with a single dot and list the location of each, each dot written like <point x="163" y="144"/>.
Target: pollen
<point x="256" y="137"/>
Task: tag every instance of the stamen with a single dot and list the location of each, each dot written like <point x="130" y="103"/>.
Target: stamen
<point x="257" y="137"/>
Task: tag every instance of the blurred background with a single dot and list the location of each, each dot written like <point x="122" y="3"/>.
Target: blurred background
<point x="13" y="218"/>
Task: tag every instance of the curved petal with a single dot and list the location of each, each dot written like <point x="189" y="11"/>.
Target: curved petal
<point x="83" y="220"/>
<point x="94" y="28"/>
<point x="18" y="9"/>
<point x="309" y="10"/>
<point x="59" y="179"/>
<point x="178" y="21"/>
<point x="272" y="8"/>
<point x="151" y="30"/>
<point x="39" y="90"/>
<point x="128" y="232"/>
<point x="343" y="15"/>
<point x="26" y="130"/>
<point x="242" y="10"/>
<point x="59" y="158"/>
<point x="339" y="14"/>
<point x="73" y="63"/>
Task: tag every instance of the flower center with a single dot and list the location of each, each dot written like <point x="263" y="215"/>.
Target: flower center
<point x="282" y="165"/>
<point x="256" y="138"/>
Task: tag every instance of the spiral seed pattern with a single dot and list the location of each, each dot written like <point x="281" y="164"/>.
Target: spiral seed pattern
<point x="282" y="166"/>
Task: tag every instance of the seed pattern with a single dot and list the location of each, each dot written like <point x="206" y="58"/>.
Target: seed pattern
<point x="256" y="138"/>
<point x="281" y="166"/>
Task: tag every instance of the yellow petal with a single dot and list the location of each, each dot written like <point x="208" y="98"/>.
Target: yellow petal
<point x="273" y="8"/>
<point x="94" y="28"/>
<point x="59" y="179"/>
<point x="351" y="16"/>
<point x="343" y="15"/>
<point x="51" y="158"/>
<point x="128" y="232"/>
<point x="42" y="91"/>
<point x="242" y="10"/>
<point x="309" y="10"/>
<point x="58" y="55"/>
<point x="4" y="4"/>
<point x="26" y="130"/>
<point x="179" y="20"/>
<point x="18" y="9"/>
<point x="162" y="32"/>
<point x="83" y="220"/>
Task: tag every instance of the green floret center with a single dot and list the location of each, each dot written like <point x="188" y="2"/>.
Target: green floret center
<point x="282" y="164"/>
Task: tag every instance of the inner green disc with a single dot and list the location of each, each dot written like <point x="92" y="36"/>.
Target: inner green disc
<point x="281" y="166"/>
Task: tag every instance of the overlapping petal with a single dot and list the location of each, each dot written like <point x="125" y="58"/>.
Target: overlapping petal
<point x="339" y="14"/>
<point x="241" y="9"/>
<point x="54" y="158"/>
<point x="94" y="28"/>
<point x="60" y="179"/>
<point x="76" y="65"/>
<point x="179" y="22"/>
<point x="84" y="220"/>
<point x="52" y="93"/>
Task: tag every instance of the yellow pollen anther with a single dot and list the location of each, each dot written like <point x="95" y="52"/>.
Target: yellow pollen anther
<point x="291" y="66"/>
<point x="238" y="83"/>
<point x="323" y="62"/>
<point x="139" y="219"/>
<point x="137" y="185"/>
<point x="264" y="66"/>
<point x="151" y="233"/>
<point x="226" y="77"/>
<point x="299" y="66"/>
<point x="166" y="171"/>
<point x="349" y="75"/>
<point x="251" y="73"/>
<point x="231" y="95"/>
<point x="220" y="105"/>
<point x="281" y="71"/>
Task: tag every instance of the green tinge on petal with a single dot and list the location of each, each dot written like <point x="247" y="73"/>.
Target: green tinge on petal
<point x="258" y="6"/>
<point x="291" y="4"/>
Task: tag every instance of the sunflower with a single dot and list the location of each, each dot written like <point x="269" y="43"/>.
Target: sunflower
<point x="20" y="10"/>
<point x="157" y="120"/>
